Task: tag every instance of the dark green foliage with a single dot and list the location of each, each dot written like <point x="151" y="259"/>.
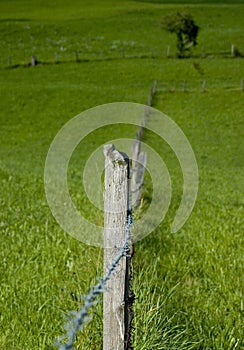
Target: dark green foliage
<point x="183" y="25"/>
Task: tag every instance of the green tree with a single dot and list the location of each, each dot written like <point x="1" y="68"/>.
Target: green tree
<point x="183" y="25"/>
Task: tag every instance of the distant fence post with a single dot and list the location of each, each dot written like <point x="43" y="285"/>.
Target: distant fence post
<point x="116" y="206"/>
<point x="149" y="100"/>
<point x="203" y="85"/>
<point x="203" y="52"/>
<point x="168" y="52"/>
<point x="184" y="86"/>
<point x="154" y="87"/>
<point x="56" y="57"/>
<point x="139" y="160"/>
<point x="77" y="58"/>
<point x="242" y="84"/>
<point x="33" y="60"/>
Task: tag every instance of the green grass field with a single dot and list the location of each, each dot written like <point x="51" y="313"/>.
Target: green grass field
<point x="188" y="285"/>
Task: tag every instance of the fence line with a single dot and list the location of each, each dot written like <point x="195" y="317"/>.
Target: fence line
<point x="123" y="52"/>
<point x="202" y="85"/>
<point x="117" y="306"/>
<point x="139" y="158"/>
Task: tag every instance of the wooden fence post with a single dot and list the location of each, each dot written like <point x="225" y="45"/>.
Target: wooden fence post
<point x="203" y="85"/>
<point x="154" y="87"/>
<point x="77" y="58"/>
<point x="56" y="57"/>
<point x="33" y="60"/>
<point x="184" y="86"/>
<point x="203" y="52"/>
<point x="149" y="100"/>
<point x="242" y="84"/>
<point x="139" y="160"/>
<point x="116" y="205"/>
<point x="168" y="52"/>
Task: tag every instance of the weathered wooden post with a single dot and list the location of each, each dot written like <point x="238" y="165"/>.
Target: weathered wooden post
<point x="242" y="84"/>
<point x="116" y="206"/>
<point x="154" y="86"/>
<point x="203" y="85"/>
<point x="145" y="114"/>
<point x="149" y="100"/>
<point x="33" y="60"/>
<point x="203" y="52"/>
<point x="139" y="160"/>
<point x="168" y="52"/>
<point x="55" y="57"/>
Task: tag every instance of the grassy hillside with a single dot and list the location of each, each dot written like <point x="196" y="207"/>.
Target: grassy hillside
<point x="188" y="285"/>
<point x="102" y="31"/>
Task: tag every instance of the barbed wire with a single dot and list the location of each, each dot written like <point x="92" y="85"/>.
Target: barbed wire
<point x="81" y="317"/>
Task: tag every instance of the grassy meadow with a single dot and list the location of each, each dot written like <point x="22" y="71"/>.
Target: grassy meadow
<point x="188" y="285"/>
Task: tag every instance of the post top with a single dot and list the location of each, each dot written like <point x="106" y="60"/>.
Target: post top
<point x="110" y="152"/>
